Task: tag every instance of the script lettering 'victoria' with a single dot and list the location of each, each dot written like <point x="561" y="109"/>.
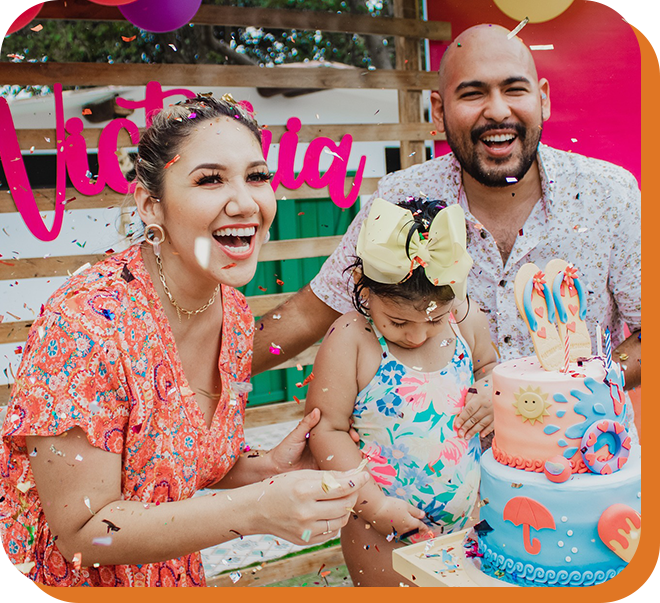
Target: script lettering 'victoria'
<point x="72" y="159"/>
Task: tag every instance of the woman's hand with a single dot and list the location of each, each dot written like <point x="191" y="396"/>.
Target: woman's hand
<point x="305" y="507"/>
<point x="477" y="415"/>
<point x="293" y="453"/>
<point x="397" y="515"/>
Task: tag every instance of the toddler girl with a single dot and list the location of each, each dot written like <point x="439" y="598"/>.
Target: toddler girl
<point x="399" y="370"/>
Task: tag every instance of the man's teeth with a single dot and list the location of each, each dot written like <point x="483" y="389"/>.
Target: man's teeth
<point x="235" y="232"/>
<point x="499" y="138"/>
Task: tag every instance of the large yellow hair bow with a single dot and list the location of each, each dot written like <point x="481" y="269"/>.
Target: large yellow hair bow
<point x="382" y="247"/>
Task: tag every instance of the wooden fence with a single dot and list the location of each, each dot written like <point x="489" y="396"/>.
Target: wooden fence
<point x="408" y="79"/>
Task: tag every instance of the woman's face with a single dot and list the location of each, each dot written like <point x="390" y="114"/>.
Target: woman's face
<point x="217" y="203"/>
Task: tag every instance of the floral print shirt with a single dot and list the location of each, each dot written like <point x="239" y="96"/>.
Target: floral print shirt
<point x="405" y="420"/>
<point x="589" y="215"/>
<point x="101" y="356"/>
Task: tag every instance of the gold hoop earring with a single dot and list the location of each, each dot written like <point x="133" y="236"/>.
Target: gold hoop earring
<point x="150" y="236"/>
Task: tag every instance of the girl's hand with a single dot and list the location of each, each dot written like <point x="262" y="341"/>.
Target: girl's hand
<point x="300" y="507"/>
<point x="293" y="453"/>
<point x="477" y="415"/>
<point x="397" y="515"/>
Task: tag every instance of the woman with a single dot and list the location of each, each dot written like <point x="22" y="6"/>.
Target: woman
<point x="131" y="392"/>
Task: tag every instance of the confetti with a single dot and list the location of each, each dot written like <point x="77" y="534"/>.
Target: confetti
<point x="511" y="179"/>
<point x="275" y="349"/>
<point x="24" y="568"/>
<point x="329" y="482"/>
<point x="329" y="152"/>
<point x="277" y="316"/>
<point x="77" y="561"/>
<point x="57" y="452"/>
<point x="279" y="281"/>
<point x="542" y="47"/>
<point x="79" y="458"/>
<point x="172" y="161"/>
<point x="128" y="39"/>
<point x="203" y="252"/>
<point x="37" y="27"/>
<point x="24" y="486"/>
<point x="517" y="28"/>
<point x="235" y="576"/>
<point x="88" y="504"/>
<point x="231" y="266"/>
<point x="306" y="535"/>
<point x="102" y="541"/>
<point x="87" y="112"/>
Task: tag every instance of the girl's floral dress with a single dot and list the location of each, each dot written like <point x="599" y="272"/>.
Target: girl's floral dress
<point x="405" y="419"/>
<point x="101" y="356"/>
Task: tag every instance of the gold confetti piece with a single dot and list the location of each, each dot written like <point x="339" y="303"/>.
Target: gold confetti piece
<point x="329" y="482"/>
<point x="516" y="485"/>
<point x="623" y="356"/>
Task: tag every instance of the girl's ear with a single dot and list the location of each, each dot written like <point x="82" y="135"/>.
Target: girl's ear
<point x="357" y="274"/>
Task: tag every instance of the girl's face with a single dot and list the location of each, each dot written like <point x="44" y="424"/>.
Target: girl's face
<point x="216" y="197"/>
<point x="404" y="325"/>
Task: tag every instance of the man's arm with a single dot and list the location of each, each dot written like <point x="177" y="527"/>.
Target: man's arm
<point x="629" y="356"/>
<point x="303" y="320"/>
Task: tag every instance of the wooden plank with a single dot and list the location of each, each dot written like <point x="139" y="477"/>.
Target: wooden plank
<point x="271" y="414"/>
<point x="15" y="331"/>
<point x="272" y="18"/>
<point x="45" y="139"/>
<point x="123" y="74"/>
<point x="45" y="197"/>
<point x="292" y="249"/>
<point x="276" y="571"/>
<point x="261" y="304"/>
<point x="409" y="58"/>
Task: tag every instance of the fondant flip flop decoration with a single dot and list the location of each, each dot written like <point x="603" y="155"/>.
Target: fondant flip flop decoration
<point x="534" y="301"/>
<point x="571" y="305"/>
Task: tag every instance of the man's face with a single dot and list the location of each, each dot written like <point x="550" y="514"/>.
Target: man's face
<point x="491" y="108"/>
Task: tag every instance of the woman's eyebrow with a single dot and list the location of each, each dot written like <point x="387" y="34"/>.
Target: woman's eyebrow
<point x="220" y="166"/>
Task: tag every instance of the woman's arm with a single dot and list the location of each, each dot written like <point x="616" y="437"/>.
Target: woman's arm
<point x="79" y="486"/>
<point x="333" y="390"/>
<point x="477" y="416"/>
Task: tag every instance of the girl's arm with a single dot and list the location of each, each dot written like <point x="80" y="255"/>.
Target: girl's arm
<point x="477" y="416"/>
<point x="80" y="490"/>
<point x="334" y="390"/>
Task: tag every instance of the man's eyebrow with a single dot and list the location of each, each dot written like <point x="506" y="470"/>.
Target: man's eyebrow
<point x="480" y="84"/>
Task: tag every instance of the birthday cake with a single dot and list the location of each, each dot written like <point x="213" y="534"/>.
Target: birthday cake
<point x="561" y="485"/>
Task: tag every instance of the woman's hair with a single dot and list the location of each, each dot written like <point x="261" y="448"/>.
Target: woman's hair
<point x="161" y="142"/>
<point x="415" y="288"/>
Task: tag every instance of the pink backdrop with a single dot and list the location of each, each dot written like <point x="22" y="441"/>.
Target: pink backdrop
<point x="594" y="74"/>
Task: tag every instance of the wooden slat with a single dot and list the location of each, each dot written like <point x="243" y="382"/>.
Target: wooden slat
<point x="271" y="414"/>
<point x="29" y="139"/>
<point x="123" y="74"/>
<point x="14" y="332"/>
<point x="272" y="18"/>
<point x="45" y="197"/>
<point x="291" y="249"/>
<point x="261" y="304"/>
<point x="276" y="571"/>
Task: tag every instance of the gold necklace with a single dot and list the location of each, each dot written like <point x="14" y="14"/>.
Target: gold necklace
<point x="179" y="309"/>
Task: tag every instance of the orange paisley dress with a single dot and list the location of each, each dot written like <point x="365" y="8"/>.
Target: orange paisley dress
<point x="101" y="356"/>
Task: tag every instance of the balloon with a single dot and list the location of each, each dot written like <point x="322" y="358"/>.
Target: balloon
<point x="160" y="15"/>
<point x="112" y="2"/>
<point x="24" y="19"/>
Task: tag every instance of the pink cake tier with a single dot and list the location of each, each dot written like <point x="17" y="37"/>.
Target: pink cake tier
<point x="540" y="415"/>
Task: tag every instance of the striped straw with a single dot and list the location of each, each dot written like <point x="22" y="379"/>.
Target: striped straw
<point x="608" y="348"/>
<point x="567" y="353"/>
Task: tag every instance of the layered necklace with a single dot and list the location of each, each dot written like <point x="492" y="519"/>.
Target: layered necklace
<point x="179" y="309"/>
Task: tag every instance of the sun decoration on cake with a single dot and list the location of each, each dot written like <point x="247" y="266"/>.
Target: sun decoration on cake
<point x="531" y="404"/>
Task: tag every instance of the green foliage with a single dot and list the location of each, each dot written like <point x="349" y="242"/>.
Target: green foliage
<point x="122" y="42"/>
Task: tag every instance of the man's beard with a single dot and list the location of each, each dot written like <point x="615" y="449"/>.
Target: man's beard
<point x="471" y="163"/>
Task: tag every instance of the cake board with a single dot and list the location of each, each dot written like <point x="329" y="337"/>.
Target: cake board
<point x="442" y="562"/>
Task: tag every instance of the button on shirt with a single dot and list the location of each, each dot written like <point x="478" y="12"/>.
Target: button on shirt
<point x="589" y="215"/>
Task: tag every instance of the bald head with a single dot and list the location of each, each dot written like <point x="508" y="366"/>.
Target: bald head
<point x="483" y="44"/>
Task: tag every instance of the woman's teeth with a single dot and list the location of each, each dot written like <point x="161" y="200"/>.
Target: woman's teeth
<point x="239" y="239"/>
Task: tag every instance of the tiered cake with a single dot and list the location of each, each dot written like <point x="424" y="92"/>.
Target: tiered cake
<point x="561" y="486"/>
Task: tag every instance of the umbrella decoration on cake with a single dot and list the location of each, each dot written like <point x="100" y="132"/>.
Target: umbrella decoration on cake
<point x="529" y="513"/>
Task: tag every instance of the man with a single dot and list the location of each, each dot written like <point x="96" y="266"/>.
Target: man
<point x="524" y="202"/>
